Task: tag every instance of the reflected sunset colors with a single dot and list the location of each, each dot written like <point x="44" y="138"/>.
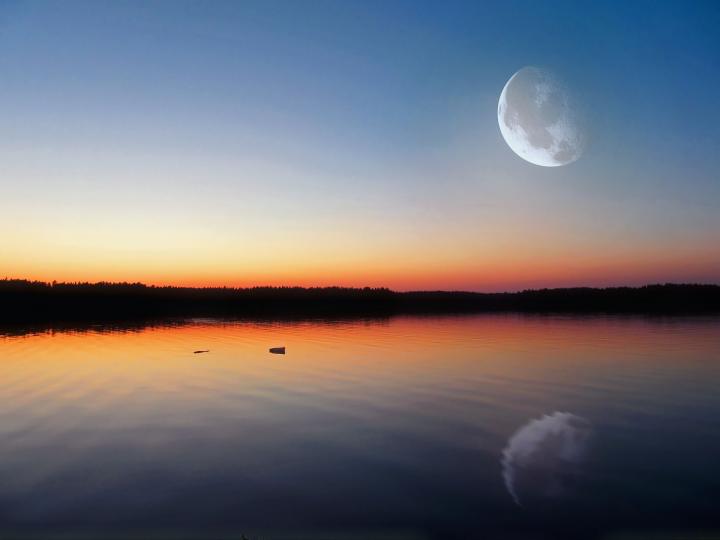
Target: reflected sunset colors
<point x="367" y="425"/>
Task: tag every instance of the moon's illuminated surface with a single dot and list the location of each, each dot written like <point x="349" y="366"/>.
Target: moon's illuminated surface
<point x="539" y="120"/>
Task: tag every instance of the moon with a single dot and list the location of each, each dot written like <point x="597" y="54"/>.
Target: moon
<point x="539" y="120"/>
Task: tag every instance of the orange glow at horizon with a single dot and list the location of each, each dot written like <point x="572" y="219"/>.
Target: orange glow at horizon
<point x="352" y="254"/>
<point x="490" y="275"/>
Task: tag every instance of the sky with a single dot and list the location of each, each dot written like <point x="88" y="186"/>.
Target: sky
<point x="354" y="143"/>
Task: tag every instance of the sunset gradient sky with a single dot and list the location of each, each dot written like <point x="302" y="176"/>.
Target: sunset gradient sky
<point x="354" y="143"/>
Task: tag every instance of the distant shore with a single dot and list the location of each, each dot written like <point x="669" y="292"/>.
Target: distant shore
<point x="25" y="301"/>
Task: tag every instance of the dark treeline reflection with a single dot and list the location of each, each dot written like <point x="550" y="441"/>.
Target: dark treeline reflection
<point x="139" y="325"/>
<point x="31" y="301"/>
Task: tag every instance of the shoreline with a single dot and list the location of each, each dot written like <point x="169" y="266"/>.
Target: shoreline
<point x="25" y="302"/>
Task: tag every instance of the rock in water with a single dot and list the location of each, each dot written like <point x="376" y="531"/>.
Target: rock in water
<point x="277" y="350"/>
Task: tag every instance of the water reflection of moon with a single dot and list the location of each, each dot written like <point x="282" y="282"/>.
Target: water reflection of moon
<point x="543" y="458"/>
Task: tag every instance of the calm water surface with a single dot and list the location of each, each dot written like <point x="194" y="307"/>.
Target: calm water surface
<point x="456" y="427"/>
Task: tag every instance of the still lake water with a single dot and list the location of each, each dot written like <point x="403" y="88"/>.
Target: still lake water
<point x="396" y="428"/>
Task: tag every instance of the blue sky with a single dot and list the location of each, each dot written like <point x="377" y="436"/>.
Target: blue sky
<point x="139" y="137"/>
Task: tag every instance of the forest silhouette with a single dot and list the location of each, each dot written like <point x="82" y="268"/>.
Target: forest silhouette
<point x="34" y="301"/>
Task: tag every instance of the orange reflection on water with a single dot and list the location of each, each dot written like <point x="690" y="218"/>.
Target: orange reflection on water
<point x="161" y="359"/>
<point x="354" y="414"/>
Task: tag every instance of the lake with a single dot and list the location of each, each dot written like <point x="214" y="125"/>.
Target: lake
<point x="486" y="426"/>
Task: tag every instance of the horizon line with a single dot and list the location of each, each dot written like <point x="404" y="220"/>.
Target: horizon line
<point x="55" y="283"/>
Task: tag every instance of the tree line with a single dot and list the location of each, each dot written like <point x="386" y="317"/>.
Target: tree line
<point x="24" y="300"/>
